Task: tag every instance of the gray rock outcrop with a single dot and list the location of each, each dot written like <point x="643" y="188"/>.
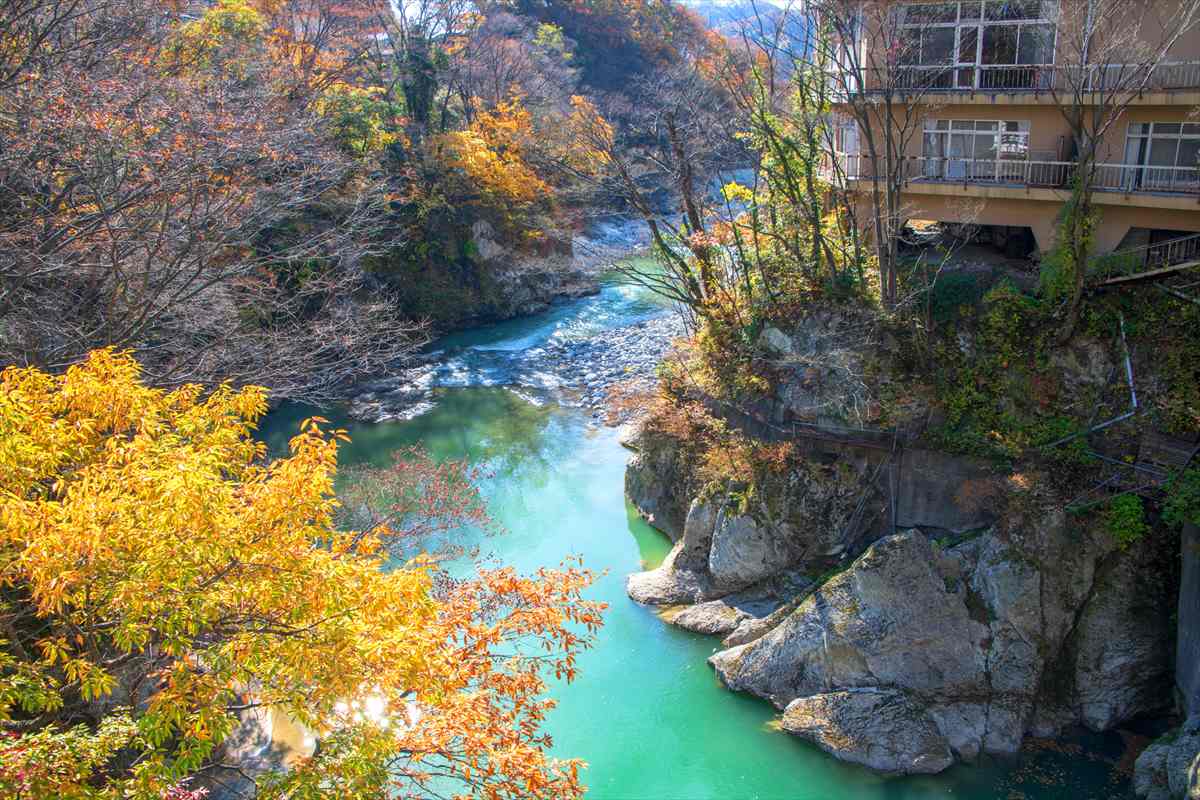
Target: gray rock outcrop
<point x="884" y="730"/>
<point x="1169" y="769"/>
<point x="1010" y="632"/>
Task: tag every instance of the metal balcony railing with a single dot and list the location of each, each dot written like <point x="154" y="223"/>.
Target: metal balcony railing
<point x="1159" y="254"/>
<point x="1128" y="178"/>
<point x="1172" y="76"/>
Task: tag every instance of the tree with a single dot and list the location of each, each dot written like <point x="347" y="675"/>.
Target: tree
<point x="620" y="41"/>
<point x="1106" y="58"/>
<point x="796" y="213"/>
<point x="173" y="187"/>
<point x="883" y="79"/>
<point x="505" y="57"/>
<point x="673" y="133"/>
<point x="157" y="579"/>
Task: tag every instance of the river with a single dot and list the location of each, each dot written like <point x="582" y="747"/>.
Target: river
<point x="646" y="712"/>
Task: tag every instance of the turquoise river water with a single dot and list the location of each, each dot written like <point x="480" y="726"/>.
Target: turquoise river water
<point x="647" y="713"/>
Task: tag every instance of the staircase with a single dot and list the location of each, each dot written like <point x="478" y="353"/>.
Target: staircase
<point x="1148" y="263"/>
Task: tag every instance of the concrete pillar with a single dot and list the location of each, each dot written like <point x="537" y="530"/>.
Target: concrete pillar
<point x="1109" y="235"/>
<point x="1045" y="231"/>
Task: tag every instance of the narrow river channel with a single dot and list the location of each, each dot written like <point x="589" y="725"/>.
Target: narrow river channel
<point x="646" y="713"/>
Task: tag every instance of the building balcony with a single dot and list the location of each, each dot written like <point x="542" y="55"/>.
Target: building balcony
<point x="1064" y="81"/>
<point x="1058" y="176"/>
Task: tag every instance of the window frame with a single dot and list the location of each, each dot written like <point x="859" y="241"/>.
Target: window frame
<point x="967" y="73"/>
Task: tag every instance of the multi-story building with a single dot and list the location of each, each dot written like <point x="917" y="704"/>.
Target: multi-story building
<point x="980" y="87"/>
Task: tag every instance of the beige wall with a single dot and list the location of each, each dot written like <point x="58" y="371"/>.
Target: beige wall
<point x="1041" y="216"/>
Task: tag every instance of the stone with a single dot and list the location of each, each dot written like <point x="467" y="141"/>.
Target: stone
<point x="666" y="585"/>
<point x="930" y="491"/>
<point x="1084" y="364"/>
<point x="881" y="729"/>
<point x="698" y="529"/>
<point x="1030" y="627"/>
<point x="722" y="616"/>
<point x="743" y="552"/>
<point x="775" y="341"/>
<point x="653" y="484"/>
<point x="889" y="620"/>
<point x="1121" y="668"/>
<point x="1169" y="769"/>
<point x="713" y="618"/>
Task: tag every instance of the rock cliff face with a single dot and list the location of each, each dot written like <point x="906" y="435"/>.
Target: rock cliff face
<point x="916" y="654"/>
<point x="903" y="607"/>
<point x="966" y="649"/>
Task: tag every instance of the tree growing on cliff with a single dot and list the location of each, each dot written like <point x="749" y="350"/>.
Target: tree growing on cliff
<point x="883" y="77"/>
<point x="158" y="579"/>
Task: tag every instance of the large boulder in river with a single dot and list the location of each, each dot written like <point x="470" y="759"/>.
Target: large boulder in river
<point x="888" y="621"/>
<point x="885" y="730"/>
<point x="671" y="583"/>
<point x="683" y="576"/>
<point x="996" y="637"/>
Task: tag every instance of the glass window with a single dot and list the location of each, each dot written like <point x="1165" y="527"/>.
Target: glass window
<point x="1014" y="9"/>
<point x="1163" y="144"/>
<point x="909" y="45"/>
<point x="999" y="44"/>
<point x="1162" y="152"/>
<point x="968" y="44"/>
<point x="949" y="33"/>
<point x="937" y="46"/>
<point x="1036" y="45"/>
<point x="983" y="140"/>
<point x="931" y="12"/>
<point x="1189" y="153"/>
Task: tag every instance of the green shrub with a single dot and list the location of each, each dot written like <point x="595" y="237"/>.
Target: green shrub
<point x="1125" y="519"/>
<point x="950" y="293"/>
<point x="1112" y="264"/>
<point x="1183" y="499"/>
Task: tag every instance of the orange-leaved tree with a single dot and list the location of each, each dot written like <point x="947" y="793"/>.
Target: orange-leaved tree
<point x="160" y="579"/>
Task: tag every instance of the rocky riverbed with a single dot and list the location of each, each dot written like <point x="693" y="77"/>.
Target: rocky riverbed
<point x="573" y="370"/>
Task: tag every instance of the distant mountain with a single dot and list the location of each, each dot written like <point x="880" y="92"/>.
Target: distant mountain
<point x="731" y="16"/>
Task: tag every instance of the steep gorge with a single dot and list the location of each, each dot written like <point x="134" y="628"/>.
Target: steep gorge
<point x="905" y="608"/>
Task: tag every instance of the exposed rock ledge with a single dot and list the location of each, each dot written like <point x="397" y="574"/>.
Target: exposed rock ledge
<point x="914" y="657"/>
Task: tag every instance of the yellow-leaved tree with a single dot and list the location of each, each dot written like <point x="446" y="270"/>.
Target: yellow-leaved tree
<point x="492" y="155"/>
<point x="159" y="578"/>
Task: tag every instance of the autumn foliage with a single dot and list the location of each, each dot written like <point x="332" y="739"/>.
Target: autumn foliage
<point x="159" y="580"/>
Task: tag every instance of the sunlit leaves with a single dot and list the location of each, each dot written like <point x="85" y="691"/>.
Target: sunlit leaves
<point x="147" y="551"/>
<point x="491" y="153"/>
<point x="361" y="120"/>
